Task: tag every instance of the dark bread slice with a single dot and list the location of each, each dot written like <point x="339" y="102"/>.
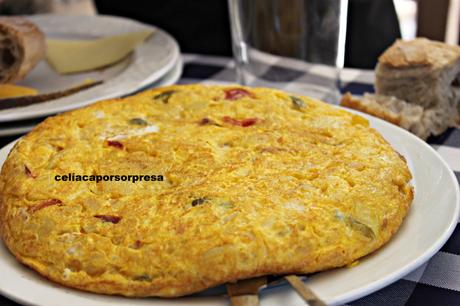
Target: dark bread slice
<point x="28" y="100"/>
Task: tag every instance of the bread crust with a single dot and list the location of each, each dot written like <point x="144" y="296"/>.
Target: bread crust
<point x="420" y="52"/>
<point x="349" y="101"/>
<point x="304" y="187"/>
<point x="26" y="47"/>
<point x="408" y="116"/>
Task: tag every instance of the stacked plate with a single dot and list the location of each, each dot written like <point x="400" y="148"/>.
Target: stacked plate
<point x="156" y="62"/>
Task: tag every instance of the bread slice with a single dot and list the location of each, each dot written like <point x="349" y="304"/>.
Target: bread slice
<point x="26" y="100"/>
<point x="22" y="46"/>
<point x="425" y="73"/>
<point x="408" y="116"/>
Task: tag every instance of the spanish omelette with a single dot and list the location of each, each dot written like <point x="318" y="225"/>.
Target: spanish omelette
<point x="256" y="181"/>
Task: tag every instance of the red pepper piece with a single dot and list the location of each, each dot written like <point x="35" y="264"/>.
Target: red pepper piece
<point x="243" y="122"/>
<point x="205" y="121"/>
<point x="28" y="172"/>
<point x="115" y="144"/>
<point x="248" y="122"/>
<point x="137" y="244"/>
<point x="44" y="204"/>
<point x="108" y="218"/>
<point x="233" y="94"/>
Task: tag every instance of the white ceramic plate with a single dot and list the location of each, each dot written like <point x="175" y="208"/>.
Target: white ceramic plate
<point x="148" y="63"/>
<point x="20" y="127"/>
<point x="430" y="222"/>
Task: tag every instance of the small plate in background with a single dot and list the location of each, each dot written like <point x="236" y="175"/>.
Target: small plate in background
<point x="149" y="62"/>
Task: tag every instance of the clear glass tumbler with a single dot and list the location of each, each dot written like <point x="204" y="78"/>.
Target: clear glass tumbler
<point x="290" y="43"/>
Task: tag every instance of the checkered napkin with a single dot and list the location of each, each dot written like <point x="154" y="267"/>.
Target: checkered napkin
<point x="437" y="282"/>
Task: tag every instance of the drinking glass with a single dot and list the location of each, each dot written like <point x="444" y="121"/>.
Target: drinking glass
<point x="278" y="42"/>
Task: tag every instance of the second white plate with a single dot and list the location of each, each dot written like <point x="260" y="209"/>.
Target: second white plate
<point x="148" y="63"/>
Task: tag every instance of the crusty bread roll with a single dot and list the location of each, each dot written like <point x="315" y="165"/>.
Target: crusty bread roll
<point x="425" y="73"/>
<point x="22" y="46"/>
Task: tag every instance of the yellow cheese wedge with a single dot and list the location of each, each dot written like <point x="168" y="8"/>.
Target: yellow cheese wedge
<point x="12" y="91"/>
<point x="71" y="56"/>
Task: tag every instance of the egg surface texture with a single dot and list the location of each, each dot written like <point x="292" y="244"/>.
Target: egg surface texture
<point x="242" y="182"/>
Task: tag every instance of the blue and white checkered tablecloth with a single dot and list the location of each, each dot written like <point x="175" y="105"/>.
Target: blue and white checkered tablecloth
<point x="436" y="282"/>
